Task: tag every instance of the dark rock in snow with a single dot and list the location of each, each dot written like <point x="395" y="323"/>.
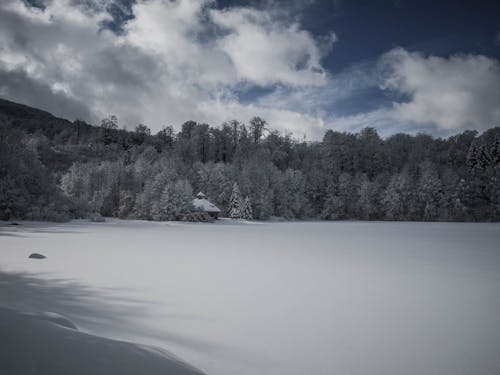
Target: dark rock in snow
<point x="37" y="256"/>
<point x="15" y="223"/>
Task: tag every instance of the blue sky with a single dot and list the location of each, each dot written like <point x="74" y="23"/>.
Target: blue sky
<point x="304" y="66"/>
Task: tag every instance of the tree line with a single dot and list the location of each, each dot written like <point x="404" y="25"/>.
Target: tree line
<point x="53" y="169"/>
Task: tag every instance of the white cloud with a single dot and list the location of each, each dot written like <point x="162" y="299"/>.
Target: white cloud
<point x="186" y="59"/>
<point x="455" y="93"/>
<point x="174" y="61"/>
<point x="299" y="123"/>
<point x="265" y="51"/>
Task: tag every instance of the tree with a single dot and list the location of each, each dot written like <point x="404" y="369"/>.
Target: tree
<point x="257" y="126"/>
<point x="337" y="204"/>
<point x="235" y="203"/>
<point x="140" y="134"/>
<point x="219" y="186"/>
<point x="109" y="130"/>
<point x="392" y="199"/>
<point x="110" y="122"/>
<point x="53" y="168"/>
<point x="166" y="136"/>
<point x="429" y="192"/>
<point x="290" y="198"/>
<point x="365" y="202"/>
<point x="26" y="186"/>
<point x="75" y="184"/>
<point x="246" y="210"/>
<point x="175" y="201"/>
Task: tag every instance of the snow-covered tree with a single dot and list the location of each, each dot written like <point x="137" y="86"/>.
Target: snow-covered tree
<point x="290" y="197"/>
<point x="75" y="185"/>
<point x="392" y="199"/>
<point x="79" y="170"/>
<point x="146" y="204"/>
<point x="365" y="192"/>
<point x="126" y="204"/>
<point x="175" y="201"/>
<point x="337" y="200"/>
<point x="235" y="203"/>
<point x="246" y="209"/>
<point x="219" y="185"/>
<point x="428" y="192"/>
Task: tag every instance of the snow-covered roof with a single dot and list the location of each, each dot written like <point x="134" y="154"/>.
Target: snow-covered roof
<point x="205" y="205"/>
<point x="201" y="195"/>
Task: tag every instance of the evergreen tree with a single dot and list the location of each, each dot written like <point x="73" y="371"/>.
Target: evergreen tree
<point x="175" y="202"/>
<point x="219" y="185"/>
<point x="246" y="210"/>
<point x="235" y="203"/>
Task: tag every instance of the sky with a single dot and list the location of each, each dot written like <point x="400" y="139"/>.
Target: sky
<point x="305" y="66"/>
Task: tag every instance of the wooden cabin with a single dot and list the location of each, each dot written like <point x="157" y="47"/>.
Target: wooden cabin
<point x="201" y="203"/>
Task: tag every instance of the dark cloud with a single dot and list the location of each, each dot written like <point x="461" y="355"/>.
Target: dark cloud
<point x="17" y="86"/>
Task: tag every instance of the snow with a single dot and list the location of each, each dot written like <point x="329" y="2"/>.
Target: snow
<point x="205" y="205"/>
<point x="274" y="298"/>
<point x="36" y="346"/>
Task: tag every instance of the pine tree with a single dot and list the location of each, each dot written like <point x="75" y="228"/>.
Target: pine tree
<point x="246" y="210"/>
<point x="175" y="201"/>
<point x="235" y="203"/>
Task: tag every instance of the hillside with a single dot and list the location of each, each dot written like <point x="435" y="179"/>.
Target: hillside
<point x="32" y="119"/>
<point x="54" y="169"/>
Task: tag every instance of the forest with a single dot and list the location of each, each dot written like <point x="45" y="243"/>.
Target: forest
<point x="54" y="169"/>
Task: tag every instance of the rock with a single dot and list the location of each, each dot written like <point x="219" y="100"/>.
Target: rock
<point x="37" y="256"/>
<point x="14" y="223"/>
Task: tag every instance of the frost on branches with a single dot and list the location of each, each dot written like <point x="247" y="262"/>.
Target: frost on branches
<point x="239" y="208"/>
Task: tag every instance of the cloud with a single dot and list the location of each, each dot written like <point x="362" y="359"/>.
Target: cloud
<point x="403" y="92"/>
<point x="348" y="84"/>
<point x="172" y="62"/>
<point x="266" y="52"/>
<point x="17" y="86"/>
<point x="455" y="93"/>
<point x="169" y="61"/>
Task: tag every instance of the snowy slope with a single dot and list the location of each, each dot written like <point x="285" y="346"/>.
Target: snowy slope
<point x="274" y="298"/>
<point x="41" y="345"/>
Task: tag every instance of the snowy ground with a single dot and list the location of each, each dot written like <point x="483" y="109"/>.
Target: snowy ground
<point x="272" y="298"/>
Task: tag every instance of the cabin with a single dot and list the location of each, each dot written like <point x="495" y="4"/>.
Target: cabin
<point x="201" y="203"/>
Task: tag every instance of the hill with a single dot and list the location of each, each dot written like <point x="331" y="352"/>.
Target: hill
<point x="54" y="169"/>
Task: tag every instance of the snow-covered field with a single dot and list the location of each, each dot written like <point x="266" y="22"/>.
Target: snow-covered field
<point x="273" y="298"/>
